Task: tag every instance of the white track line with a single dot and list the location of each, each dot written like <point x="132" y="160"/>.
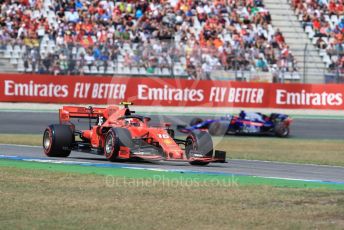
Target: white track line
<point x="288" y="163"/>
<point x="16" y="145"/>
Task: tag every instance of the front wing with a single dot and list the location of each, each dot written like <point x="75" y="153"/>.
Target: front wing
<point x="219" y="157"/>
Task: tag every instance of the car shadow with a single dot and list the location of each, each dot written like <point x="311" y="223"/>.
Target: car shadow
<point x="145" y="162"/>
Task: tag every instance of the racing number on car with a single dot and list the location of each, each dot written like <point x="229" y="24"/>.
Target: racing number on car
<point x="163" y="136"/>
<point x="167" y="139"/>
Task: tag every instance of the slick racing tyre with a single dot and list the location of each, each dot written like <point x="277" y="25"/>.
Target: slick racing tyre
<point x="281" y="130"/>
<point x="195" y="121"/>
<point x="115" y="138"/>
<point x="218" y="128"/>
<point x="58" y="140"/>
<point x="199" y="141"/>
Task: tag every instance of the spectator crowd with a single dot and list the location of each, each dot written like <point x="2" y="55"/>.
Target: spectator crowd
<point x="194" y="37"/>
<point x="324" y="19"/>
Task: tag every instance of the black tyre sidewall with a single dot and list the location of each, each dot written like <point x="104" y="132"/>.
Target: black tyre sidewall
<point x="61" y="140"/>
<point x="279" y="130"/>
<point x="113" y="155"/>
<point x="120" y="137"/>
<point x="202" y="142"/>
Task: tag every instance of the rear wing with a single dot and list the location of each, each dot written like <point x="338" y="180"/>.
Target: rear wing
<point x="68" y="112"/>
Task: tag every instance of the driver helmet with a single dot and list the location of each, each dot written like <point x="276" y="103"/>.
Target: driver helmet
<point x="131" y="121"/>
<point x="128" y="121"/>
<point x="242" y="114"/>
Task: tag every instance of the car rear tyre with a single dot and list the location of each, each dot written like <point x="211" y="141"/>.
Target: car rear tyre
<point x="195" y="121"/>
<point x="115" y="138"/>
<point x="200" y="141"/>
<point x="218" y="128"/>
<point x="281" y="130"/>
<point x="58" y="140"/>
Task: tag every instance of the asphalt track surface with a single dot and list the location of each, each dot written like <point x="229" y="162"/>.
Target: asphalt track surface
<point x="35" y="123"/>
<point x="236" y="167"/>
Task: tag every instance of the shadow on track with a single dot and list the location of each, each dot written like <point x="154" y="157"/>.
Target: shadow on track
<point x="146" y="163"/>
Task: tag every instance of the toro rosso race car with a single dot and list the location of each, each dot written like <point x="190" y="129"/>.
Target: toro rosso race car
<point x="244" y="123"/>
<point x="119" y="134"/>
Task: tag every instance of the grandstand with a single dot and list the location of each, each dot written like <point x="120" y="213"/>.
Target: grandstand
<point x="323" y="22"/>
<point x="234" y="39"/>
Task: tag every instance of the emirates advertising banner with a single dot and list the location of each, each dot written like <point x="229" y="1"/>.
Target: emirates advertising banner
<point x="150" y="91"/>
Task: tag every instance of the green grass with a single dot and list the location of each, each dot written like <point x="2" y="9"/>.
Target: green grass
<point x="21" y="139"/>
<point x="184" y="177"/>
<point x="41" y="199"/>
<point x="327" y="152"/>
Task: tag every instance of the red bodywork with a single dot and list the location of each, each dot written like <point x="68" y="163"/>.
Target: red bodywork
<point x="113" y="116"/>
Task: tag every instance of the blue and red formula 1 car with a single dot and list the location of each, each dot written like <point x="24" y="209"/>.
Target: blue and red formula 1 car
<point x="244" y="123"/>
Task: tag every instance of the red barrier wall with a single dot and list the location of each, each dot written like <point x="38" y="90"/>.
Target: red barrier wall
<point x="167" y="92"/>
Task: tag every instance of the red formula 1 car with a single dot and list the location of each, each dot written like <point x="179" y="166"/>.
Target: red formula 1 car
<point x="119" y="134"/>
